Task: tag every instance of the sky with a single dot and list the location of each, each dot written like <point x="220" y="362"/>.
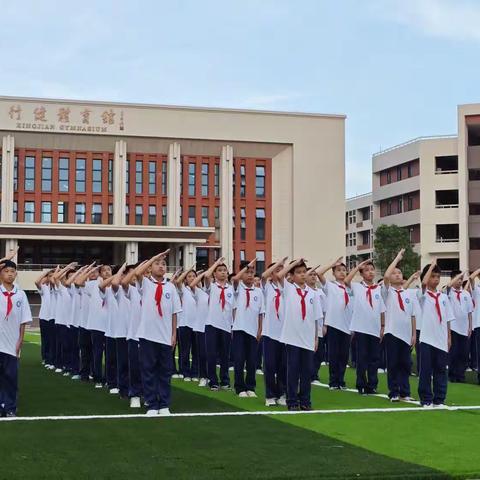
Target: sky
<point x="396" y="68"/>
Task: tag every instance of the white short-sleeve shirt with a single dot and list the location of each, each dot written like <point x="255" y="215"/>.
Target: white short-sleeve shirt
<point x="274" y="311"/>
<point x="97" y="311"/>
<point x="134" y="312"/>
<point x="153" y="326"/>
<point x="339" y="306"/>
<point x="189" y="307"/>
<point x="401" y="305"/>
<point x="76" y="311"/>
<point x="45" y="308"/>
<point x="220" y="316"/>
<point x="297" y="330"/>
<point x="434" y="329"/>
<point x="246" y="316"/>
<point x="117" y="316"/>
<point x="10" y="326"/>
<point x="462" y="306"/>
<point x="63" y="314"/>
<point x="367" y="309"/>
<point x="201" y="299"/>
<point x="321" y="298"/>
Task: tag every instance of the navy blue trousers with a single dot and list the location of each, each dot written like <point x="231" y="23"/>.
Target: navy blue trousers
<point x="217" y="343"/>
<point x="299" y="373"/>
<point x="458" y="357"/>
<point x="185" y="342"/>
<point x="368" y="357"/>
<point x="338" y="348"/>
<point x="62" y="353"/>
<point x="318" y="358"/>
<point x="399" y="364"/>
<point x="122" y="365"/>
<point x="111" y="362"/>
<point x="260" y="360"/>
<point x="50" y="345"/>
<point x="74" y="348"/>
<point x="86" y="359"/>
<point x="98" y="347"/>
<point x="433" y="366"/>
<point x="275" y="367"/>
<point x="135" y="388"/>
<point x="157" y="371"/>
<point x="244" y="357"/>
<point x="43" y="335"/>
<point x="417" y="352"/>
<point x="201" y="354"/>
<point x="8" y="383"/>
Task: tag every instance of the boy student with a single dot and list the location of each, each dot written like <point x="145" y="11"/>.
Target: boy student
<point x="475" y="289"/>
<point x="461" y="327"/>
<point x="274" y="351"/>
<point x="299" y="333"/>
<point x="434" y="338"/>
<point x="14" y="314"/>
<point x="337" y="319"/>
<point x="400" y="330"/>
<point x="368" y="323"/>
<point x="157" y="333"/>
<point x="218" y="325"/>
<point x="247" y="328"/>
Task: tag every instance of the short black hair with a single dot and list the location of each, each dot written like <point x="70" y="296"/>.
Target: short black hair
<point x="299" y="265"/>
<point x="339" y="265"/>
<point x="220" y="265"/>
<point x="436" y="269"/>
<point x="366" y="265"/>
<point x="8" y="264"/>
<point x="454" y="273"/>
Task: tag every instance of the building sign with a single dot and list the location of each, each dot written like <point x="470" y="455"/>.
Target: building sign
<point x="62" y="118"/>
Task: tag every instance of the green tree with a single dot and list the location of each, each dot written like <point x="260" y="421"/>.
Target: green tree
<point x="389" y="240"/>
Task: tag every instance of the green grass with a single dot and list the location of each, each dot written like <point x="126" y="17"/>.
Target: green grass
<point x="439" y="444"/>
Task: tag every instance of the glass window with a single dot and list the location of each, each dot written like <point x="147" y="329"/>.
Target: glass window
<point x="242" y="255"/>
<point x="164" y="215"/>
<point x="110" y="214"/>
<point x="399" y="173"/>
<point x="80" y="213"/>
<point x="260" y="182"/>
<point x="15" y="211"/>
<point x="191" y="179"/>
<point x="110" y="176"/>
<point x="217" y="222"/>
<point x="389" y="176"/>
<point x="46" y="212"/>
<point x="243" y="223"/>
<point x="260" y="224"/>
<point x="127" y="168"/>
<point x="204" y="179"/>
<point x="205" y="217"/>
<point x="97" y="213"/>
<point x="152" y="214"/>
<point x="138" y="176"/>
<point x="80" y="176"/>
<point x="152" y="177"/>
<point x="15" y="173"/>
<point x="46" y="174"/>
<point x="242" y="180"/>
<point x="191" y="216"/>
<point x="97" y="176"/>
<point x="62" y="212"/>
<point x="138" y="214"/>
<point x="164" y="178"/>
<point x="29" y="174"/>
<point x="217" y="179"/>
<point x="63" y="173"/>
<point x="29" y="212"/>
<point x="127" y="215"/>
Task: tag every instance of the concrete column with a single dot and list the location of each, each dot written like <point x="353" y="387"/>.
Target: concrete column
<point x="173" y="185"/>
<point x="119" y="182"/>
<point x="226" y="204"/>
<point x="8" y="154"/>
<point x="11" y="244"/>
<point x="189" y="255"/>
<point x="131" y="252"/>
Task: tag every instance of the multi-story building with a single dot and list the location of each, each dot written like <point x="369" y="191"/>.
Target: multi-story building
<point x="108" y="182"/>
<point x="358" y="229"/>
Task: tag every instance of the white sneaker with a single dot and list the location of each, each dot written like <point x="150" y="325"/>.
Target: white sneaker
<point x="164" y="412"/>
<point x="243" y="395"/>
<point x="323" y="363"/>
<point x="151" y="413"/>
<point x="469" y="370"/>
<point x="202" y="382"/>
<point x="46" y="365"/>
<point x="66" y="374"/>
<point x="194" y="379"/>
<point x="439" y="405"/>
<point x="316" y="382"/>
<point x="407" y="399"/>
<point x="380" y="370"/>
<point x="98" y="385"/>
<point x="427" y="405"/>
<point x="231" y="369"/>
<point x="270" y="402"/>
<point x="51" y="367"/>
<point x="76" y="377"/>
<point x="114" y="391"/>
<point x="180" y="375"/>
<point x="187" y="379"/>
<point x="251" y="394"/>
<point x="394" y="399"/>
<point x="90" y="377"/>
<point x="135" y="402"/>
<point x="58" y="370"/>
<point x="282" y="401"/>
<point x="259" y="372"/>
<point x="175" y="375"/>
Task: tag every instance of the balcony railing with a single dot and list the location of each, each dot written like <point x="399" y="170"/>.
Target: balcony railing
<point x="453" y="205"/>
<point x="447" y="240"/>
<point x="445" y="172"/>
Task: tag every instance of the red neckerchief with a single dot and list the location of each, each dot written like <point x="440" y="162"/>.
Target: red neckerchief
<point x="9" y="296"/>
<point x="457" y="293"/>
<point x="247" y="292"/>
<point x="436" y="296"/>
<point x="345" y="293"/>
<point x="369" y="292"/>
<point x="302" y="294"/>
<point x="399" y="298"/>
<point x="158" y="296"/>
<point x="278" y="293"/>
<point x="222" y="295"/>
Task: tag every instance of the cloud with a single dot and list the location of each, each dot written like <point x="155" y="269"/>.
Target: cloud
<point x="453" y="19"/>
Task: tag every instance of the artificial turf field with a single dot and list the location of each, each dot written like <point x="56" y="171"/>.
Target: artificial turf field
<point x="376" y="444"/>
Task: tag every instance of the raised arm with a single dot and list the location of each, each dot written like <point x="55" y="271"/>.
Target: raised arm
<point x="427" y="276"/>
<point x="392" y="267"/>
<point x="236" y="279"/>
<point x="116" y="279"/>
<point x="143" y="267"/>
<point x="354" y="271"/>
<point x="284" y="272"/>
<point x="75" y="275"/>
<point x="268" y="272"/>
<point x="455" y="279"/>
<point x="38" y="281"/>
<point x="58" y="275"/>
<point x="413" y="278"/>
<point x="127" y="279"/>
<point x="321" y="271"/>
<point x="11" y="254"/>
<point x="197" y="279"/>
<point x="178" y="278"/>
<point x="209" y="273"/>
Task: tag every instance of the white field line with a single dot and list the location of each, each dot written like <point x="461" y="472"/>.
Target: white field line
<point x="239" y="414"/>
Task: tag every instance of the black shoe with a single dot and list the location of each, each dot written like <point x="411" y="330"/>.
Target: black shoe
<point x="11" y="415"/>
<point x="305" y="408"/>
<point x="371" y="391"/>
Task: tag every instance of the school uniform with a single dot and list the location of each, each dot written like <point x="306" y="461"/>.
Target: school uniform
<point x="337" y="318"/>
<point x="111" y="306"/>
<point x="319" y="356"/>
<point x="96" y="325"/>
<point x="462" y="306"/>
<point x="218" y="331"/>
<point x="476" y="327"/>
<point x="274" y="351"/>
<point x="401" y="305"/>
<point x="84" y="336"/>
<point x="160" y="301"/>
<point x="75" y="315"/>
<point x="135" y="386"/>
<point x="201" y="312"/>
<point x="118" y="320"/>
<point x="62" y="324"/>
<point x="436" y="314"/>
<point x="302" y="315"/>
<point x="368" y="307"/>
<point x="186" y="318"/>
<point x="47" y="324"/>
<point x="14" y="312"/>
<point x="249" y="306"/>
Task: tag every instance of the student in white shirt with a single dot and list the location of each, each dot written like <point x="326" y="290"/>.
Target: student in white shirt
<point x="368" y="322"/>
<point x="14" y="315"/>
<point x="247" y="329"/>
<point x="461" y="327"/>
<point x="434" y="338"/>
<point x="157" y="333"/>
<point x="218" y="325"/>
<point x="299" y="333"/>
<point x="337" y="319"/>
<point x="402" y="309"/>
<point x="475" y="292"/>
<point x="47" y="323"/>
<point x="274" y="351"/>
